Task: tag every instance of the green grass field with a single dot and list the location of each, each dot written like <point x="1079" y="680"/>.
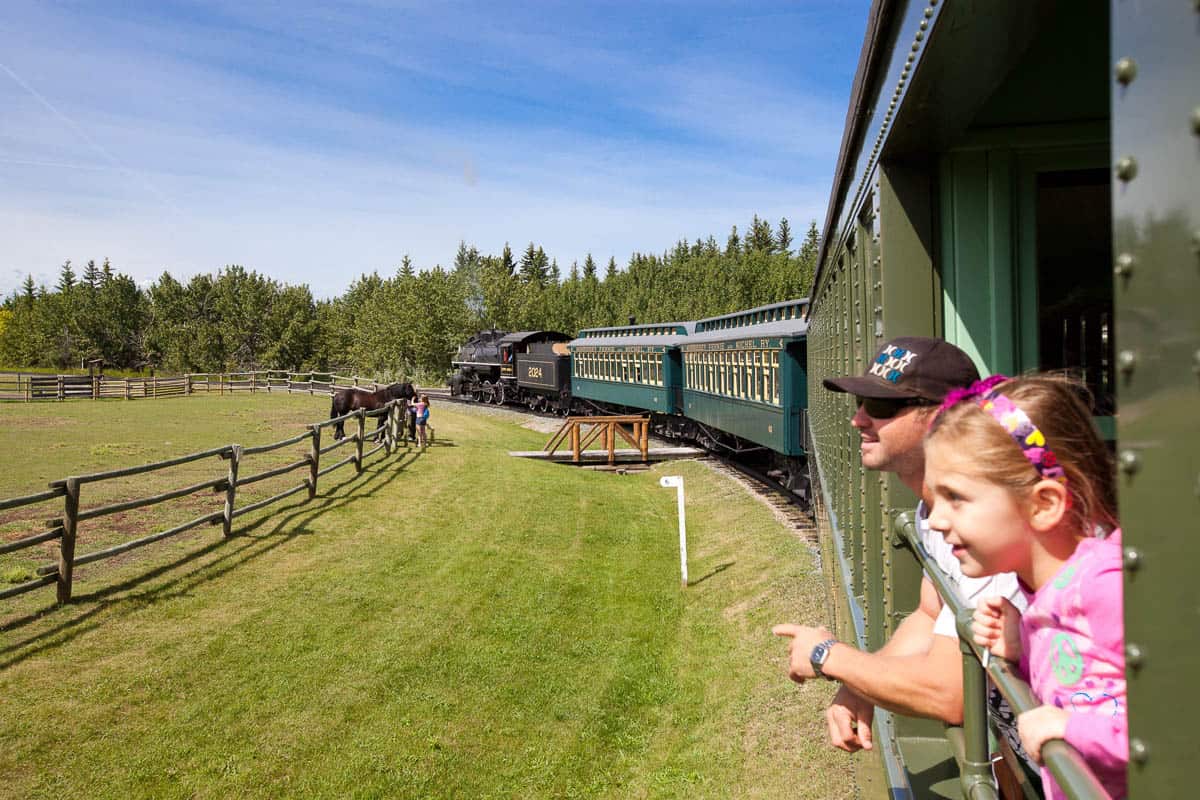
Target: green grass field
<point x="454" y="623"/>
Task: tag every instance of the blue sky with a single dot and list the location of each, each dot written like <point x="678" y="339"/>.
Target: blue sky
<point x="313" y="144"/>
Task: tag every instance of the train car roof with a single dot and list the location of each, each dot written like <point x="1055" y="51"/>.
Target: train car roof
<point x="786" y="311"/>
<point x="661" y="334"/>
<point x="796" y="328"/>
<point x="520" y="337"/>
<point x="650" y="329"/>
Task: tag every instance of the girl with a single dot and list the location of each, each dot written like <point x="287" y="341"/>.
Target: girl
<point x="1021" y="482"/>
<point x="422" y="408"/>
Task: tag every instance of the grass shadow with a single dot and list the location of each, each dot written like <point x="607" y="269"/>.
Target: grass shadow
<point x="241" y="548"/>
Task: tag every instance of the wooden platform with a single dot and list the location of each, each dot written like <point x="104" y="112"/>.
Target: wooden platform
<point x="624" y="456"/>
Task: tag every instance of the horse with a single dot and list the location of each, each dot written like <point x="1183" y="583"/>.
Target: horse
<point x="347" y="400"/>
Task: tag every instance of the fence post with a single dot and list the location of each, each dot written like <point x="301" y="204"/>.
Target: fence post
<point x="127" y="397"/>
<point x="361" y="414"/>
<point x="95" y="387"/>
<point x="154" y="388"/>
<point x="66" y="547"/>
<point x="188" y="383"/>
<point x="387" y="428"/>
<point x="234" y="456"/>
<point x="60" y="387"/>
<point x="314" y="460"/>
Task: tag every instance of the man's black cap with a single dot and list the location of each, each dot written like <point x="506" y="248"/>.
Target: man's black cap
<point x="911" y="367"/>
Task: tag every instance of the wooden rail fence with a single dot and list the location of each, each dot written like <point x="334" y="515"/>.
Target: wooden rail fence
<point x="69" y="491"/>
<point x="28" y="387"/>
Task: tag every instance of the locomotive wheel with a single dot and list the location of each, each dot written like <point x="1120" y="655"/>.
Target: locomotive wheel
<point x="487" y="392"/>
<point x="476" y="393"/>
<point x="501" y="394"/>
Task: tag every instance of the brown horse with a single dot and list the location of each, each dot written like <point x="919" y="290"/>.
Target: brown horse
<point x="347" y="400"/>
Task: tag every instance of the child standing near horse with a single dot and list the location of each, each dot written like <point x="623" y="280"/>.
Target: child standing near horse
<point x="422" y="416"/>
<point x="1021" y="482"/>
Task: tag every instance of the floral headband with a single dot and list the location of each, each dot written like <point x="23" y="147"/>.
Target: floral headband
<point x="1018" y="424"/>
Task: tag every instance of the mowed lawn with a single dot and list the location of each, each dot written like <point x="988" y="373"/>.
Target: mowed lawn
<point x="454" y="623"/>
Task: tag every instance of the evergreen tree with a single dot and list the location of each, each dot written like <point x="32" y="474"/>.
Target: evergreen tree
<point x="733" y="245"/>
<point x="506" y="260"/>
<point x="91" y="275"/>
<point x="761" y="239"/>
<point x="27" y="290"/>
<point x="66" y="278"/>
<point x="783" y="237"/>
<point x="406" y="267"/>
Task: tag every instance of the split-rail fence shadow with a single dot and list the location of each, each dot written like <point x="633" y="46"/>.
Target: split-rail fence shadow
<point x="69" y="492"/>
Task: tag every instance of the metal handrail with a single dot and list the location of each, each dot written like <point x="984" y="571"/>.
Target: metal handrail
<point x="1065" y="763"/>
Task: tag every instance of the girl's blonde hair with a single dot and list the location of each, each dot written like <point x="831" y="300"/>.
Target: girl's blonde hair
<point x="425" y="399"/>
<point x="1056" y="405"/>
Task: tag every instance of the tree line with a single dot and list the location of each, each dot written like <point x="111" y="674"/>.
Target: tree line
<point x="409" y="324"/>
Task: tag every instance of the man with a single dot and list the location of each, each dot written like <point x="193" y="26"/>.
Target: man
<point x="918" y="672"/>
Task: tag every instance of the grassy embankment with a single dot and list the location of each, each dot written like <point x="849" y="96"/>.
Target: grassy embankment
<point x="454" y="623"/>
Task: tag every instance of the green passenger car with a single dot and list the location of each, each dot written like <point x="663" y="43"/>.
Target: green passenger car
<point x="744" y="374"/>
<point x="1001" y="162"/>
<point x="633" y="366"/>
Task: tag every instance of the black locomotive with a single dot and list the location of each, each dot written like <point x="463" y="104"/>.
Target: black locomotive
<point x="532" y="368"/>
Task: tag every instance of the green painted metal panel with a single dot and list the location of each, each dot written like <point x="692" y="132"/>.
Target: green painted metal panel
<point x="650" y="398"/>
<point x="1156" y="214"/>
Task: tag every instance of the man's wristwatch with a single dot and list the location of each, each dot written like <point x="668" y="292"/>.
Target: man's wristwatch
<point x="820" y="654"/>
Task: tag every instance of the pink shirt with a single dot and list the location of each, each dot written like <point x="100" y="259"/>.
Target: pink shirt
<point x="1073" y="645"/>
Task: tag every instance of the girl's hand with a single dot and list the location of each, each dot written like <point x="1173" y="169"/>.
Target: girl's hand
<point x="1040" y="726"/>
<point x="996" y="626"/>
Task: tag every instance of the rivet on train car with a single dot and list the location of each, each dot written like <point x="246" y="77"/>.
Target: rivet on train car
<point x="1138" y="751"/>
<point x="920" y="35"/>
<point x="916" y="46"/>
<point x="1132" y="559"/>
<point x="928" y="13"/>
<point x="1127" y="168"/>
<point x="1133" y="655"/>
<point x="1126" y="361"/>
<point x="1129" y="461"/>
<point x="1196" y="120"/>
<point x="1124" y="265"/>
<point x="1126" y="71"/>
<point x="924" y="22"/>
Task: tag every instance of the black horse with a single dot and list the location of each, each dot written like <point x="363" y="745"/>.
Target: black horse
<point x="347" y="400"/>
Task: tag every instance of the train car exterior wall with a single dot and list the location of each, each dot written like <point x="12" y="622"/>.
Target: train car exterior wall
<point x="990" y="204"/>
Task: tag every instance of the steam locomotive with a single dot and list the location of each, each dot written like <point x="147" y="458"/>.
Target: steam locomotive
<point x="531" y="368"/>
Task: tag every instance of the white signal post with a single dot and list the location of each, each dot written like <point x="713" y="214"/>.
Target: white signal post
<point x="676" y="481"/>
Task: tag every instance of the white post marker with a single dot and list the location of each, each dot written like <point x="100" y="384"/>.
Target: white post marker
<point x="668" y="481"/>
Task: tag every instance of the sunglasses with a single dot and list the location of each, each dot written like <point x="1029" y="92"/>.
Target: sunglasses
<point x="886" y="408"/>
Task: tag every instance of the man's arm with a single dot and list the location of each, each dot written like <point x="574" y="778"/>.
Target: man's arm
<point x="917" y="673"/>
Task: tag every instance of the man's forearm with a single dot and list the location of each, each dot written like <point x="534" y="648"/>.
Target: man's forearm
<point x="925" y="684"/>
<point x="913" y="636"/>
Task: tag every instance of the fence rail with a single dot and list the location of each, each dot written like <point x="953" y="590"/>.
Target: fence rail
<point x="27" y="387"/>
<point x="386" y="437"/>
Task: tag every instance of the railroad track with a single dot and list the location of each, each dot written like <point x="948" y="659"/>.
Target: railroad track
<point x="786" y="506"/>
